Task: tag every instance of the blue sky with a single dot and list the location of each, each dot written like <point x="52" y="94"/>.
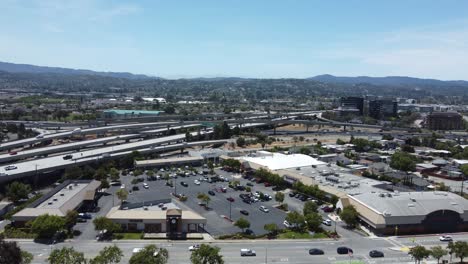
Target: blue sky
<point x="264" y="39"/>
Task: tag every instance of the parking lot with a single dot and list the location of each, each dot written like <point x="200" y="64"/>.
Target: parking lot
<point x="219" y="210"/>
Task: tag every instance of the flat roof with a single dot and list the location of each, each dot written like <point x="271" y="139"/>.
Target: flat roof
<point x="132" y="112"/>
<point x="278" y="161"/>
<point x="60" y="202"/>
<point x="411" y="203"/>
<point x="151" y="213"/>
<point x="159" y="162"/>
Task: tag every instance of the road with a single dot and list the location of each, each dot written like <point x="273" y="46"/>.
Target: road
<point x="273" y="251"/>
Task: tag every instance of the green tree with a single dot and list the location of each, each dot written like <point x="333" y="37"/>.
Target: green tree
<point x="122" y="194"/>
<point x="309" y="207"/>
<point x="66" y="255"/>
<point x="108" y="255"/>
<point x="11" y="253"/>
<point x="240" y="142"/>
<point x="26" y="257"/>
<point x="419" y="253"/>
<point x="203" y="197"/>
<point x="272" y="229"/>
<point x="350" y="216"/>
<point x="464" y="169"/>
<point x="70" y="219"/>
<point x="461" y="250"/>
<point x="403" y="161"/>
<point x="313" y="220"/>
<point x="104" y="223"/>
<point x="150" y="254"/>
<point x="114" y="174"/>
<point x="16" y="191"/>
<point x="296" y="220"/>
<point x="279" y="197"/>
<point x="242" y="223"/>
<point x="45" y="226"/>
<point x="438" y="252"/>
<point x="206" y="254"/>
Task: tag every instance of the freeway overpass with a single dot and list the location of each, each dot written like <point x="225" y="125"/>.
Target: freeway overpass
<point x="49" y="164"/>
<point x="95" y="130"/>
<point x="63" y="147"/>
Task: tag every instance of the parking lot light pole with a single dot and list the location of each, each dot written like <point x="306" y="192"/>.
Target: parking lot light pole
<point x="230" y="217"/>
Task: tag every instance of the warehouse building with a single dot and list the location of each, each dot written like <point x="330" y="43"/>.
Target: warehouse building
<point x="410" y="212"/>
<point x="68" y="196"/>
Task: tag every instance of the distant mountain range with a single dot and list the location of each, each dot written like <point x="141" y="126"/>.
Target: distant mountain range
<point x="387" y="81"/>
<point x="27" y="68"/>
<point x="396" y="81"/>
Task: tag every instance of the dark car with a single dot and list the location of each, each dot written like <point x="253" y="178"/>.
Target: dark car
<point x="249" y="184"/>
<point x="247" y="201"/>
<point x="292" y="194"/>
<point x="244" y="212"/>
<point x="376" y="254"/>
<point x="344" y="250"/>
<point x="211" y="193"/>
<point x="67" y="157"/>
<point x="230" y="199"/>
<point x="249" y="231"/>
<point x="135" y="188"/>
<point x="316" y="251"/>
<point x="327" y="209"/>
<point x="184" y="184"/>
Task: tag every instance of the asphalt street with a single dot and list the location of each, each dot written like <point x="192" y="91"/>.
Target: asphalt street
<point x="272" y="251"/>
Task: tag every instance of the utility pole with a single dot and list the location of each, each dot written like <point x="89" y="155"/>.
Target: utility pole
<point x="230" y="204"/>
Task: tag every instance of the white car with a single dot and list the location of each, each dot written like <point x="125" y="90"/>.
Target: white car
<point x="122" y="186"/>
<point x="247" y="252"/>
<point x="286" y="224"/>
<point x="264" y="209"/>
<point x="197" y="182"/>
<point x="445" y="238"/>
<point x="10" y="167"/>
<point x="194" y="247"/>
<point x="145" y="185"/>
<point x="327" y="222"/>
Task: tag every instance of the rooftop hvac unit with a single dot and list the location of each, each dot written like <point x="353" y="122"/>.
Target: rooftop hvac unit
<point x="62" y="194"/>
<point x="70" y="187"/>
<point x="50" y="203"/>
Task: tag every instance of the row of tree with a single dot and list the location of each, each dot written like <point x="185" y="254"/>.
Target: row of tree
<point x="150" y="254"/>
<point x="459" y="249"/>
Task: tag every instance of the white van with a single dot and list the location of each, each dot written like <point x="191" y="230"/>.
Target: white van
<point x="247" y="252"/>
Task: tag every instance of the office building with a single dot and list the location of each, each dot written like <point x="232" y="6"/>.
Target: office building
<point x="383" y="108"/>
<point x="444" y="121"/>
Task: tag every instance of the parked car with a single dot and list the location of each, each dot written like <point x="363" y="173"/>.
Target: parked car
<point x="292" y="194"/>
<point x="135" y="188"/>
<point x="210" y="192"/>
<point x="249" y="184"/>
<point x="10" y="167"/>
<point x="197" y="182"/>
<point x="249" y="231"/>
<point x="445" y="238"/>
<point x="316" y="251"/>
<point x="264" y="209"/>
<point x="230" y="199"/>
<point x="244" y="212"/>
<point x="85" y="216"/>
<point x="145" y="185"/>
<point x="184" y="184"/>
<point x="327" y="222"/>
<point x="344" y="250"/>
<point x="247" y="252"/>
<point x="376" y="254"/>
<point x="327" y="209"/>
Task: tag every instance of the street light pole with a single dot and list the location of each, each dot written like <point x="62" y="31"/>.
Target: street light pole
<point x="230" y="217"/>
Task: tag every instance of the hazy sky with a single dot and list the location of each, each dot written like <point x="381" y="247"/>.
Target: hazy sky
<point x="251" y="38"/>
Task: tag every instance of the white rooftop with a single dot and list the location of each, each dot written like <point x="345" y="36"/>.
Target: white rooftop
<point x="278" y="161"/>
<point x="412" y="203"/>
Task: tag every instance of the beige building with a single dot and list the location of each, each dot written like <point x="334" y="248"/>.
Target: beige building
<point x="411" y="212"/>
<point x="68" y="196"/>
<point x="174" y="222"/>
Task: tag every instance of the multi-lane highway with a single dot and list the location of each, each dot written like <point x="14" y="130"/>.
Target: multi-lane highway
<point x="268" y="251"/>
